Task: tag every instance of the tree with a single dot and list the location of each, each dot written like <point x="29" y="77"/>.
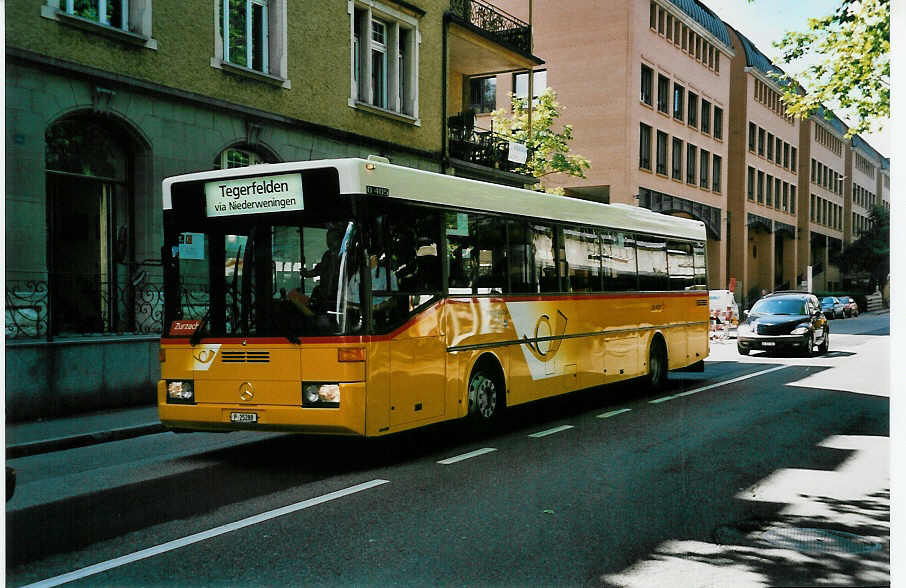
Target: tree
<point x="870" y="253"/>
<point x="852" y="48"/>
<point x="548" y="150"/>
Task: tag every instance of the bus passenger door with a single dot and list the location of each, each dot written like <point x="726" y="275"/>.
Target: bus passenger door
<point x="410" y="252"/>
<point x="417" y="370"/>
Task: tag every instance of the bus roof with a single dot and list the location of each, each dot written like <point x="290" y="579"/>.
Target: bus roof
<point x="377" y="178"/>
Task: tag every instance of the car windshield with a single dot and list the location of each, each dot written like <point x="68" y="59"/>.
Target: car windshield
<point x="827" y="301"/>
<point x="789" y="306"/>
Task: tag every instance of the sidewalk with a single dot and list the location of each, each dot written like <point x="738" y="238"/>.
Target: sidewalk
<point x="34" y="437"/>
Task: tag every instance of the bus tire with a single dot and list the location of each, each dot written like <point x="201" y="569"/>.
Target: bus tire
<point x="485" y="398"/>
<point x="657" y="365"/>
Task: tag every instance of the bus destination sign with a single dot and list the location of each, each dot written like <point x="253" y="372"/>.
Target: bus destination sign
<point x="257" y="195"/>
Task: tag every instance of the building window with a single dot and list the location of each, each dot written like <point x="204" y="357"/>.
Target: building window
<point x="760" y="187"/>
<point x="112" y="13"/>
<point x="677" y="158"/>
<point x="237" y="157"/>
<point x="770" y="147"/>
<point x="679" y="102"/>
<point x="539" y="83"/>
<point x="652" y="16"/>
<point x="777" y="193"/>
<point x="703" y="176"/>
<point x="691" y="154"/>
<point x="692" y="118"/>
<point x="663" y="90"/>
<point x="245" y="25"/>
<point x="662" y="153"/>
<point x="753" y="131"/>
<point x="644" y="146"/>
<point x="786" y="196"/>
<point x="792" y="199"/>
<point x="706" y="116"/>
<point x="769" y="191"/>
<point x="778" y="148"/>
<point x="718" y="123"/>
<point x="384" y="56"/>
<point x="750" y="184"/>
<point x="760" y="141"/>
<point x="786" y="156"/>
<point x="91" y="231"/>
<point x="716" y="173"/>
<point x="647" y="80"/>
<point x="483" y="94"/>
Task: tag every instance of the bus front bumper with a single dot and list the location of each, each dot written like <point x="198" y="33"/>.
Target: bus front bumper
<point x="348" y="419"/>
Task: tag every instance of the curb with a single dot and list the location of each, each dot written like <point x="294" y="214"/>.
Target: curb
<point x="83" y="440"/>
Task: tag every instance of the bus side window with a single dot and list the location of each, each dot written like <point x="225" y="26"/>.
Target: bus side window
<point x="545" y="268"/>
<point x="521" y="257"/>
<point x="680" y="265"/>
<point x="477" y="253"/>
<point x="618" y="255"/>
<point x="582" y="259"/>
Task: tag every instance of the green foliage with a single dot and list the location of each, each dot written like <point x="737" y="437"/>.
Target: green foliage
<point x="852" y="48"/>
<point x="870" y="253"/>
<point x="548" y="149"/>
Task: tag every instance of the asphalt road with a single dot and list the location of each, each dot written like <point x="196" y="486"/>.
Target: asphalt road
<point x="760" y="470"/>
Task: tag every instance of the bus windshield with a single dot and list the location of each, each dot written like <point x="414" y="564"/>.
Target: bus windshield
<point x="266" y="275"/>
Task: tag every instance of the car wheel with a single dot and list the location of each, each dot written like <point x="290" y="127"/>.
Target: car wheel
<point x="484" y="396"/>
<point x="825" y="345"/>
<point x="742" y="350"/>
<point x="810" y="345"/>
<point x="657" y="366"/>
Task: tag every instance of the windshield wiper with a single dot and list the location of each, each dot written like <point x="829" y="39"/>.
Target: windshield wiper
<point x="196" y="336"/>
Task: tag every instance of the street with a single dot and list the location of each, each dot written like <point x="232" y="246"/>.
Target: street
<point x="761" y="470"/>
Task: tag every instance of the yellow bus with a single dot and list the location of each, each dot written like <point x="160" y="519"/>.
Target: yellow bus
<point x="356" y="297"/>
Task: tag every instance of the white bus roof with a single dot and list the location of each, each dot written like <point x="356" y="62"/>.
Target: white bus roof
<point x="361" y="176"/>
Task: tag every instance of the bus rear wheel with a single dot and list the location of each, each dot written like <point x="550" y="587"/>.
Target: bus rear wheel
<point x="484" y="396"/>
<point x="657" y="366"/>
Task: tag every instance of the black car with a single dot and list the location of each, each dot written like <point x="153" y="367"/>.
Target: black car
<point x="832" y="307"/>
<point x="790" y="321"/>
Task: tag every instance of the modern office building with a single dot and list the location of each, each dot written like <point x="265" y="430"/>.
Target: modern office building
<point x="646" y="87"/>
<point x="101" y="105"/>
<point x="763" y="188"/>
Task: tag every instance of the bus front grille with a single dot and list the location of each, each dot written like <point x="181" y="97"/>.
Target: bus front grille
<point x="245" y="357"/>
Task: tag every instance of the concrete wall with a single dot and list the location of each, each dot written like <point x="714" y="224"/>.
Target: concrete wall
<point x="44" y="380"/>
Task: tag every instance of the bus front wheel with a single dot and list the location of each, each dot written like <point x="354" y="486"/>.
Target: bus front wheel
<point x="484" y="397"/>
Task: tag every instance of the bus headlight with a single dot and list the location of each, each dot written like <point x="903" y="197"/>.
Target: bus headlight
<point x="321" y="395"/>
<point x="180" y="391"/>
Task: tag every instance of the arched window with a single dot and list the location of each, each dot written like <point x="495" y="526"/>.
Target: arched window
<point x="90" y="226"/>
<point x="238" y="157"/>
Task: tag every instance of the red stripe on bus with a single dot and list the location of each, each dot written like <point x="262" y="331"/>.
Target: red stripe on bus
<point x="361" y="339"/>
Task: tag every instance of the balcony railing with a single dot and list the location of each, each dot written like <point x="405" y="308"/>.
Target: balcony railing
<point x="480" y="146"/>
<point x="86" y="305"/>
<point x="503" y="27"/>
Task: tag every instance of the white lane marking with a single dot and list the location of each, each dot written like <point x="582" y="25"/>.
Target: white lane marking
<point x="551" y="431"/>
<point x="717" y="385"/>
<point x="465" y="456"/>
<point x="613" y="413"/>
<point x="204" y="535"/>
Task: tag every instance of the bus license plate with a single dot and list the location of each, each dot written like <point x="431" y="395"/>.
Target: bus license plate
<point x="244" y="417"/>
<point x="768" y="344"/>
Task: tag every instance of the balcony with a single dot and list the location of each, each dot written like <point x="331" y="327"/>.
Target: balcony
<point x="482" y="148"/>
<point x="484" y="39"/>
<point x="493" y="23"/>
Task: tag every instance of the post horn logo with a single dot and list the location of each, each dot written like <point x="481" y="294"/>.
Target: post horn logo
<point x="246" y="391"/>
<point x="546" y="343"/>
<point x="204" y="355"/>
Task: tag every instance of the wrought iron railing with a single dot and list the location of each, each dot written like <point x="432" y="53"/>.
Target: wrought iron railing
<point x="480" y="146"/>
<point x="96" y="307"/>
<point x="503" y="27"/>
